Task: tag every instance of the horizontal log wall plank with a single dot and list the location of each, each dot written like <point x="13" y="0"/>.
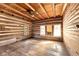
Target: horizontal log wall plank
<point x="70" y="31"/>
<point x="12" y="27"/>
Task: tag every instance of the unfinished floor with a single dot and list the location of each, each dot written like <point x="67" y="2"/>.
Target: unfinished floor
<point x="34" y="47"/>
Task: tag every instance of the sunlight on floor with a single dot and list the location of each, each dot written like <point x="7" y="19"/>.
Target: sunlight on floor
<point x="34" y="47"/>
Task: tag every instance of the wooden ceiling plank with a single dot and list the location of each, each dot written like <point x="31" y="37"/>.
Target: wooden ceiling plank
<point x="43" y="9"/>
<point x="30" y="6"/>
<point x="53" y="8"/>
<point x="33" y="9"/>
<point x="19" y="6"/>
<point x="64" y="7"/>
<point x="26" y="11"/>
<point x="23" y="10"/>
<point x="15" y="10"/>
<point x="58" y="9"/>
<point x="48" y="8"/>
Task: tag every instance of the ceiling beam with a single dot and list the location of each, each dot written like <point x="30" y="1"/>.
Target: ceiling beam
<point x="7" y="6"/>
<point x="33" y="9"/>
<point x="19" y="6"/>
<point x="23" y="10"/>
<point x="43" y="10"/>
<point x="26" y="11"/>
<point x="64" y="7"/>
<point x="30" y="6"/>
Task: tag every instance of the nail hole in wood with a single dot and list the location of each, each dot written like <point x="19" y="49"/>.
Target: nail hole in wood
<point x="1" y="11"/>
<point x="77" y="26"/>
<point x="12" y="15"/>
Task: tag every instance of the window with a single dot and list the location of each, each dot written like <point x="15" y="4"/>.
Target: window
<point x="57" y="30"/>
<point x="54" y="30"/>
<point x="42" y="30"/>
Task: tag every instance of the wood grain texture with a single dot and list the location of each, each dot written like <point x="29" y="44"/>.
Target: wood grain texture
<point x="70" y="31"/>
<point x="33" y="11"/>
<point x="12" y="27"/>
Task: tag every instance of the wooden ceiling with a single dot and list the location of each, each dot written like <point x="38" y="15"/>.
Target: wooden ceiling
<point x="33" y="11"/>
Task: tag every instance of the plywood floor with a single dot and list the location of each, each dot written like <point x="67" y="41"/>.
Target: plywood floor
<point x="34" y="47"/>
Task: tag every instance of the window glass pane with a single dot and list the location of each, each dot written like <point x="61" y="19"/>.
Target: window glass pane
<point x="42" y="30"/>
<point x="57" y="30"/>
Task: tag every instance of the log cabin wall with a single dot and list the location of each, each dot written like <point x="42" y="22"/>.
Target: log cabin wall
<point x="51" y="21"/>
<point x="13" y="29"/>
<point x="70" y="30"/>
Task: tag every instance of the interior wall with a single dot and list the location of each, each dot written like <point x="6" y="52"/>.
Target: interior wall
<point x="51" y="21"/>
<point x="70" y="30"/>
<point x="13" y="29"/>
